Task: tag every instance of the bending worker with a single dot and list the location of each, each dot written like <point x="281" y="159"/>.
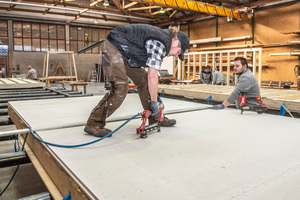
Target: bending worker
<point x="246" y="83"/>
<point x="125" y="50"/>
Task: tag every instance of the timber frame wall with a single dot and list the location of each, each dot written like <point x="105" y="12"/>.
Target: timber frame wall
<point x="194" y="62"/>
<point x="269" y="29"/>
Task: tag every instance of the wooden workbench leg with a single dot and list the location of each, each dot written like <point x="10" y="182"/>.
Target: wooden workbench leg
<point x="84" y="89"/>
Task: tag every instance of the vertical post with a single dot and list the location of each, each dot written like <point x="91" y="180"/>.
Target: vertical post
<point x="206" y="61"/>
<point x="213" y="61"/>
<point x="182" y="70"/>
<point x="220" y="63"/>
<point x="254" y="63"/>
<point x="200" y="63"/>
<point x="259" y="67"/>
<point x="70" y="63"/>
<point x="188" y="68"/>
<point x="67" y="35"/>
<point x="45" y="59"/>
<point x="228" y="68"/>
<point x="179" y="69"/>
<point x="194" y="67"/>
<point x="47" y="63"/>
<point x="74" y="66"/>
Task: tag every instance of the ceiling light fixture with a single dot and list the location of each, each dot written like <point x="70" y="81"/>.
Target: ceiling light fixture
<point x="105" y="3"/>
<point x="162" y="11"/>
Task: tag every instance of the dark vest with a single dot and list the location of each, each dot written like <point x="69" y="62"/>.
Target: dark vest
<point x="131" y="39"/>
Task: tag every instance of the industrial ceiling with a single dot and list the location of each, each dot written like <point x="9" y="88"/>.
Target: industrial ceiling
<point x="118" y="12"/>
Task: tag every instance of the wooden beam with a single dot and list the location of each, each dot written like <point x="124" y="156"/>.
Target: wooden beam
<point x="130" y="4"/>
<point x="158" y="12"/>
<point x="174" y="12"/>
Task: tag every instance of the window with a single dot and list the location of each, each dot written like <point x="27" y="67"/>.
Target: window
<point x="38" y="37"/>
<point x="81" y="37"/>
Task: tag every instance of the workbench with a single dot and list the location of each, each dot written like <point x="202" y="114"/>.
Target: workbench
<point x="74" y="85"/>
<point x="209" y="154"/>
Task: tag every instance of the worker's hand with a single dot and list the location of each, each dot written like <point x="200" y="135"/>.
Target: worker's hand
<point x="218" y="107"/>
<point x="155" y="109"/>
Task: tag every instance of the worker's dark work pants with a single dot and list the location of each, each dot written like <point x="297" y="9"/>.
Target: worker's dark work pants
<point x="116" y="68"/>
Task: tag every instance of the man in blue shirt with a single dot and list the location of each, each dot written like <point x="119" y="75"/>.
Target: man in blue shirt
<point x="124" y="53"/>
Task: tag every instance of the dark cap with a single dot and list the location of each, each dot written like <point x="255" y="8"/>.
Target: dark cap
<point x="185" y="43"/>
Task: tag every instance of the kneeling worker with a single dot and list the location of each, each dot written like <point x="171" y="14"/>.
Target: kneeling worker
<point x="125" y="50"/>
<point x="246" y="84"/>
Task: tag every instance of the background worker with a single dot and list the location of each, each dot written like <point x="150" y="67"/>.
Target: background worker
<point x="31" y="74"/>
<point x="206" y="75"/>
<point x="218" y="78"/>
<point x="246" y="83"/>
<point x="125" y="50"/>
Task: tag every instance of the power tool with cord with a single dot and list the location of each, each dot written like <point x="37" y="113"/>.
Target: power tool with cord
<point x="143" y="130"/>
<point x="243" y="99"/>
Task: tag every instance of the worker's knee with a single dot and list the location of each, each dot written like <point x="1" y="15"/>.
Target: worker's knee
<point x="120" y="88"/>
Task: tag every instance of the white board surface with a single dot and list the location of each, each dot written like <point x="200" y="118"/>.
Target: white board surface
<point x="209" y="154"/>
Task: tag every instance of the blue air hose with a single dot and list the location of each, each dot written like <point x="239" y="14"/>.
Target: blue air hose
<point x="84" y="144"/>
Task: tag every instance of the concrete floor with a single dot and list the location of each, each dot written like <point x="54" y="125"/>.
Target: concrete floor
<point x="209" y="154"/>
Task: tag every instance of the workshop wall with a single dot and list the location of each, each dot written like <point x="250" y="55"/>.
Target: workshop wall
<point x="268" y="28"/>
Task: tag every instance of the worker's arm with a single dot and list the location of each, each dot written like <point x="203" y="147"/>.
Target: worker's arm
<point x="153" y="83"/>
<point x="156" y="51"/>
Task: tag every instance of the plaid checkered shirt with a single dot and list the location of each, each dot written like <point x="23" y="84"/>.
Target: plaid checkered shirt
<point x="156" y="52"/>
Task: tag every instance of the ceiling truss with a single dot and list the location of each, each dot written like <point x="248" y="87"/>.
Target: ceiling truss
<point x="138" y="11"/>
